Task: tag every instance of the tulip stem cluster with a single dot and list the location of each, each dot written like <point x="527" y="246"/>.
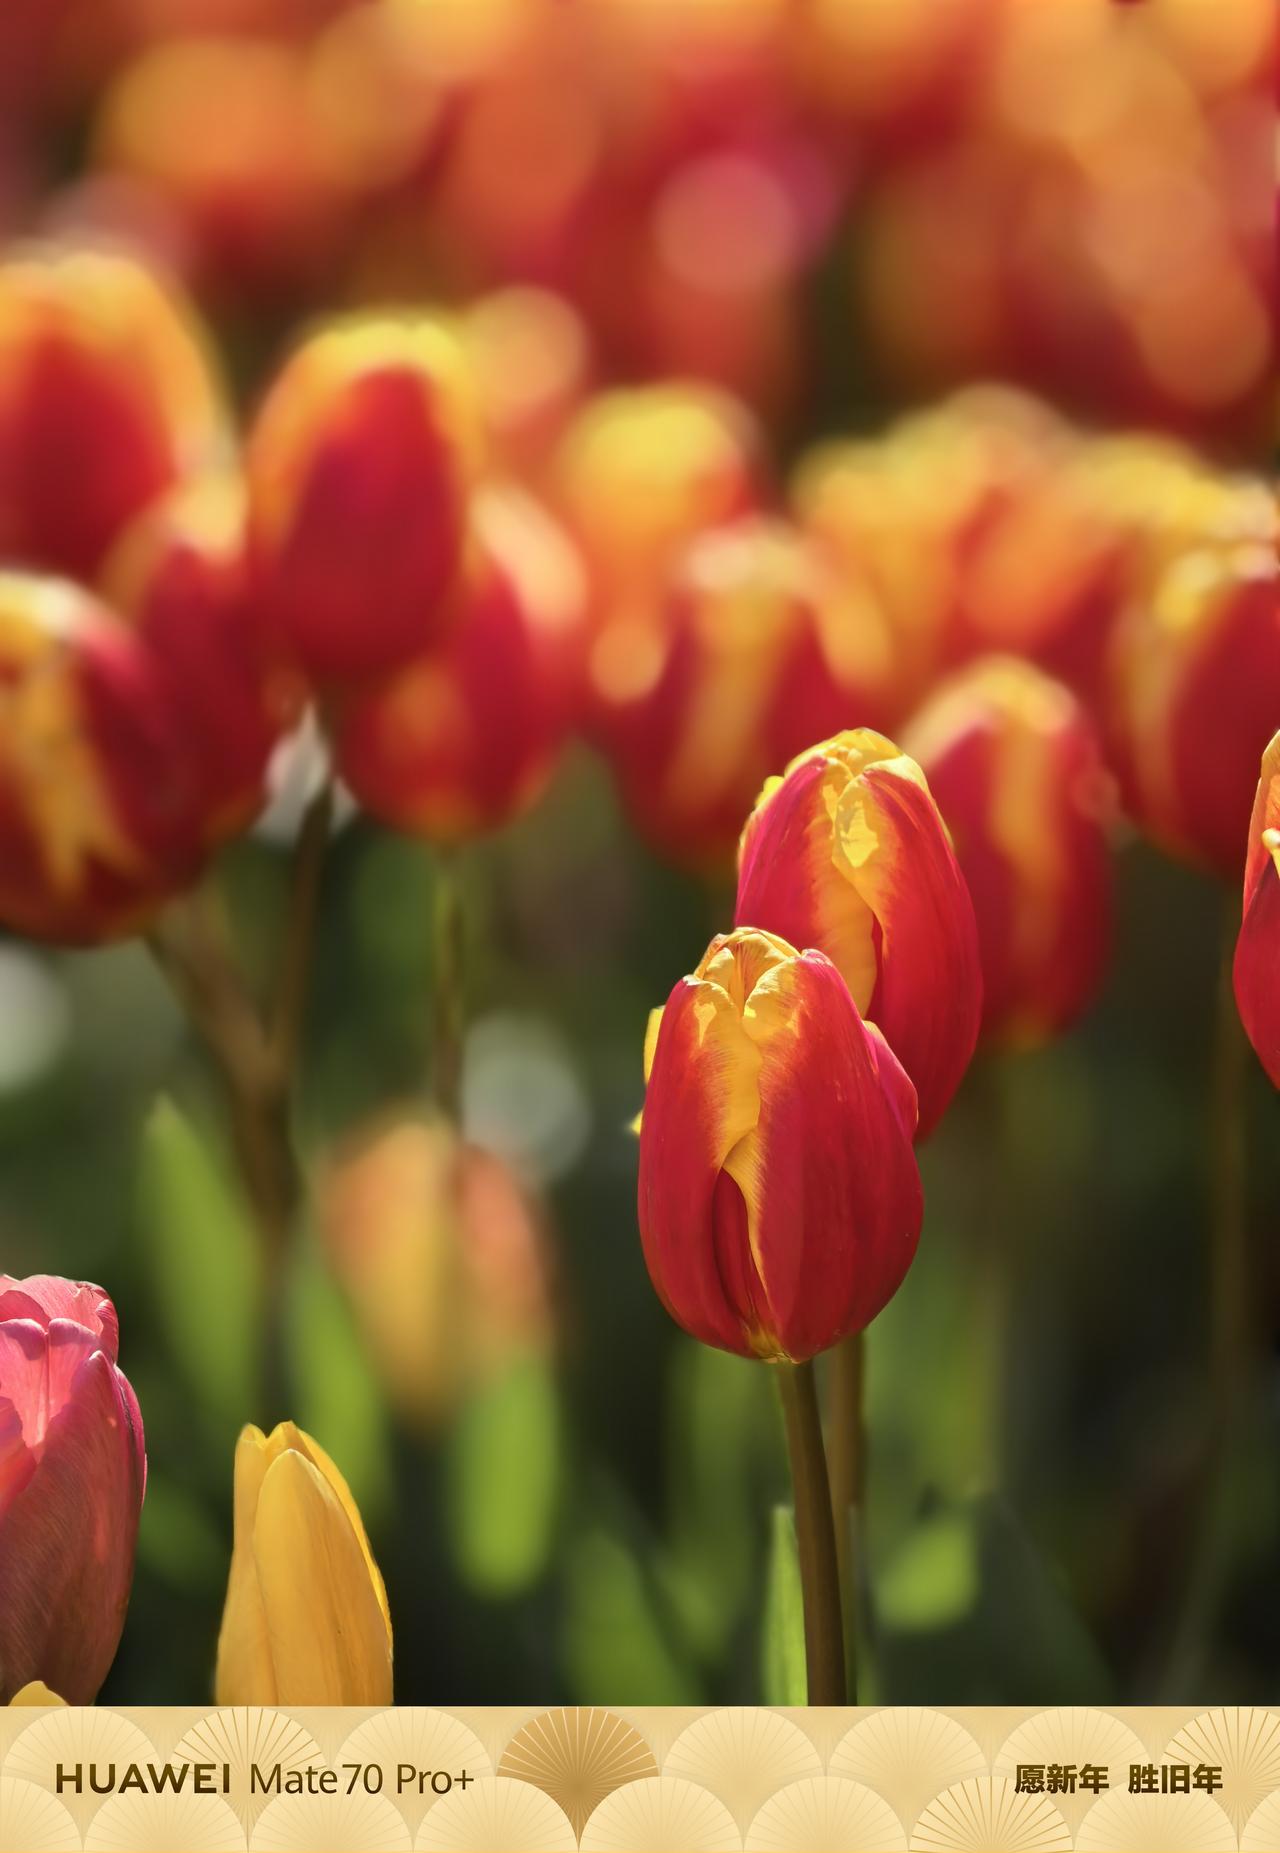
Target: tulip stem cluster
<point x="255" y="1053"/>
<point x="815" y="1535"/>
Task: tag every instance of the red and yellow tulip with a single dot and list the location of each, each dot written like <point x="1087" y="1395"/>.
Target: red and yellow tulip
<point x="847" y="852"/>
<point x="1257" y="961"/>
<point x="780" y="1203"/>
<point x="360" y="467"/>
<point x="107" y="396"/>
<point x="179" y="579"/>
<point x="466" y="737"/>
<point x="762" y="648"/>
<point x="1015" y="767"/>
<point x="1193" y="697"/>
<point x="99" y="822"/>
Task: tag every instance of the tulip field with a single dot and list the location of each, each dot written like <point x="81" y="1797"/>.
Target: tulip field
<point x="639" y="853"/>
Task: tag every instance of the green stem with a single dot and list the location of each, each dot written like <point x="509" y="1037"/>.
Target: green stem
<point x="847" y="1449"/>
<point x="448" y="1001"/>
<point x="815" y="1535"/>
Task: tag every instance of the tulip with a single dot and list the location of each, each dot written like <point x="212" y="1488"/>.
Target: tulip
<point x="466" y="737"/>
<point x="1015" y="767"/>
<point x="1193" y="698"/>
<point x="98" y="824"/>
<point x="847" y="852"/>
<point x="780" y="1203"/>
<point x="978" y="529"/>
<point x="438" y="1249"/>
<point x="306" y="1619"/>
<point x="1257" y="961"/>
<point x="530" y="353"/>
<point x="73" y="1471"/>
<point x="178" y="577"/>
<point x="764" y="649"/>
<point x="224" y="135"/>
<point x="639" y="474"/>
<point x="107" y="397"/>
<point x="360" y="466"/>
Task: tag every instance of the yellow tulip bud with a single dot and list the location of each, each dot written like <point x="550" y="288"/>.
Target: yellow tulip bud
<point x="36" y="1693"/>
<point x="306" y="1619"/>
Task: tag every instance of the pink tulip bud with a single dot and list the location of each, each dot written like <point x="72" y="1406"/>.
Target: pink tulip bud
<point x="72" y="1474"/>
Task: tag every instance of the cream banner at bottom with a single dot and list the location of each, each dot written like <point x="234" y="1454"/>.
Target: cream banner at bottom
<point x="494" y="1779"/>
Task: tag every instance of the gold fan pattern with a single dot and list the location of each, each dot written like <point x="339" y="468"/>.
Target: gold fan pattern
<point x="578" y="1755"/>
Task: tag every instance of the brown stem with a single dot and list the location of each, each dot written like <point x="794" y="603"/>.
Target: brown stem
<point x="815" y="1535"/>
<point x="846" y="1429"/>
<point x="256" y="1059"/>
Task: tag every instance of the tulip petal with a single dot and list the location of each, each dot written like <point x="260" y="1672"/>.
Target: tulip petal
<point x="787" y="882"/>
<point x="325" y="1626"/>
<point x="1257" y="961"/>
<point x="701" y="1102"/>
<point x="834" y="1197"/>
<point x="338" y="1485"/>
<point x="37" y="1369"/>
<point x="67" y="1542"/>
<point x="17" y="1462"/>
<point x="245" y="1675"/>
<point x="928" y="1000"/>
<point x="37" y="1693"/>
<point x="44" y="1297"/>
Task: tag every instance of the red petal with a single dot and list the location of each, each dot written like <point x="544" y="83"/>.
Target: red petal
<point x="838" y="1201"/>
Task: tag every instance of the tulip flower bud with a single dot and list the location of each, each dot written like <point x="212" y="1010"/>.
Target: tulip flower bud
<point x="1257" y="962"/>
<point x="848" y="852"/>
<point x="530" y="353"/>
<point x="106" y="397"/>
<point x="73" y="1469"/>
<point x="780" y="1204"/>
<point x="765" y="649"/>
<point x="306" y="1619"/>
<point x="466" y="737"/>
<point x="978" y="529"/>
<point x="1193" y="699"/>
<point x="97" y="821"/>
<point x="640" y="473"/>
<point x="179" y="578"/>
<point x="1015" y="767"/>
<point x="359" y="466"/>
<point x="439" y="1251"/>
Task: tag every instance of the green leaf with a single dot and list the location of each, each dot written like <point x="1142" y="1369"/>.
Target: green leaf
<point x="932" y="1582"/>
<point x="338" y="1398"/>
<point x="202" y="1262"/>
<point x="783" y="1667"/>
<point x="970" y="1605"/>
<point x="618" y="1649"/>
<point x="502" y="1474"/>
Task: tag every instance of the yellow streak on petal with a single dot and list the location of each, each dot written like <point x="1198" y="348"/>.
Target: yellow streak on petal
<point x="245" y="1673"/>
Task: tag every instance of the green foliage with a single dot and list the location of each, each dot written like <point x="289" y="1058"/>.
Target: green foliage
<point x="338" y="1397"/>
<point x="502" y="1474"/>
<point x="202" y="1265"/>
<point x="619" y="1647"/>
<point x="783" y="1670"/>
